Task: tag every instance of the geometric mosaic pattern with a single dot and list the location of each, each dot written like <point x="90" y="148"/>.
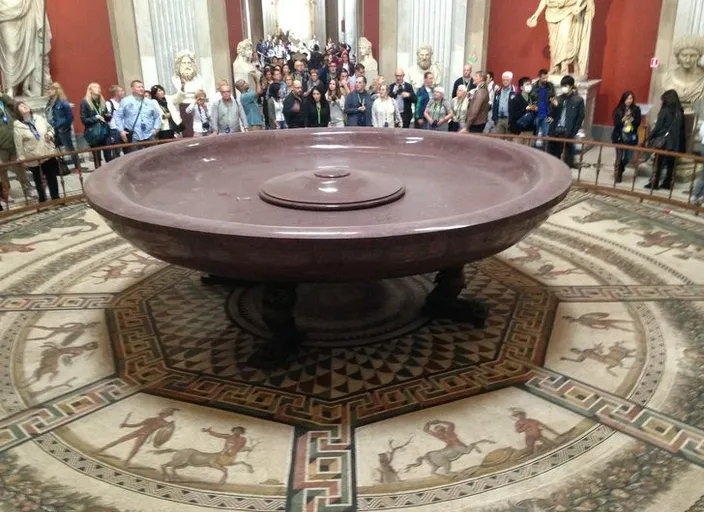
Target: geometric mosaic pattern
<point x="595" y="334"/>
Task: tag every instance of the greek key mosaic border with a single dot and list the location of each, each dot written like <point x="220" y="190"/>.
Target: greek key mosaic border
<point x="619" y="413"/>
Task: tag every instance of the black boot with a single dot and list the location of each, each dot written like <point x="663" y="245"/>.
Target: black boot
<point x="619" y="172"/>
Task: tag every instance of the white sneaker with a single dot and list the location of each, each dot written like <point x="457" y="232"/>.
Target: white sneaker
<point x="32" y="194"/>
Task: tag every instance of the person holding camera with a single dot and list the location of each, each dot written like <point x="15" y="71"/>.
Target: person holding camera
<point x="138" y="119"/>
<point x="438" y="113"/>
<point x="201" y="114"/>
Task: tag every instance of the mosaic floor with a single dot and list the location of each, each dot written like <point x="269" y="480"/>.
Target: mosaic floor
<point x="121" y="387"/>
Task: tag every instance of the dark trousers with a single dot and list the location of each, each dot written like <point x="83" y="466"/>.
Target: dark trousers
<point x="107" y="153"/>
<point x="166" y="134"/>
<point x="50" y="170"/>
<point x="667" y="162"/>
<point x="556" y="149"/>
<point x="115" y="139"/>
<point x="406" y="118"/>
<point x="477" y="128"/>
<point x="65" y="143"/>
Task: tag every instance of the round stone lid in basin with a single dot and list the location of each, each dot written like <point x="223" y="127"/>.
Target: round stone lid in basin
<point x="336" y="189"/>
<point x="211" y="203"/>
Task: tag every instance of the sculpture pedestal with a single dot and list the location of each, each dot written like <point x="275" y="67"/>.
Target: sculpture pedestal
<point x="588" y="89"/>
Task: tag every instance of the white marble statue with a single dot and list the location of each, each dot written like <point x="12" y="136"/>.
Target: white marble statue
<point x="687" y="78"/>
<point x="424" y="63"/>
<point x="569" y="32"/>
<point x="186" y="69"/>
<point x="365" y="57"/>
<point x="24" y="47"/>
<point x="242" y="68"/>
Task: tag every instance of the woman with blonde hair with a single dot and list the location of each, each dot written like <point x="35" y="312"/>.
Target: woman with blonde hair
<point x="97" y="130"/>
<point x="60" y="116"/>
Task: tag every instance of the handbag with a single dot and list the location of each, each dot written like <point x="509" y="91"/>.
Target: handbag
<point x="526" y="121"/>
<point x="96" y="134"/>
<point x="660" y="141"/>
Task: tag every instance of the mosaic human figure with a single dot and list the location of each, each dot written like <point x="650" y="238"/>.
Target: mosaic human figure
<point x="611" y="359"/>
<point x="531" y="254"/>
<point x="533" y="431"/>
<point x="454" y="448"/>
<point x="121" y="269"/>
<point x="386" y="470"/>
<point x="599" y="321"/>
<point x="73" y="330"/>
<point x="548" y="271"/>
<point x="145" y="429"/>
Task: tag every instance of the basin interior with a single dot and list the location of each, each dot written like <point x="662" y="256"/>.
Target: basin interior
<point x="444" y="177"/>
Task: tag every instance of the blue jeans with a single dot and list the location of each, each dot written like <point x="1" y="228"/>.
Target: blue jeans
<point x="65" y="143"/>
<point x="114" y="138"/>
<point x="698" y="191"/>
<point x="542" y="128"/>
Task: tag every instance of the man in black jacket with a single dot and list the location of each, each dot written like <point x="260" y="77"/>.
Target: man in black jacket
<point x="403" y="95"/>
<point x="566" y="118"/>
<point x="465" y="79"/>
<point x="293" y="106"/>
<point x="522" y="111"/>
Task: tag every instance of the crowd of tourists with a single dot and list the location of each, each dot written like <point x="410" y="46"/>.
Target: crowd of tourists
<point x="301" y="88"/>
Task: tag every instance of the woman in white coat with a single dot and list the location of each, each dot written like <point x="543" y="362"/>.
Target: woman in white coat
<point x="385" y="113"/>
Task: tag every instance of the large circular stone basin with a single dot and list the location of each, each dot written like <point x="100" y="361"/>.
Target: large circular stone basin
<point x="328" y="205"/>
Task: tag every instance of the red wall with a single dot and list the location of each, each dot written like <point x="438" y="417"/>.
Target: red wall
<point x="235" y="32"/>
<point x="81" y="48"/>
<point x="370" y="24"/>
<point x="624" y="34"/>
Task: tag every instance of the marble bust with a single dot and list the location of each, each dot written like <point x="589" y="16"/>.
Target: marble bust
<point x="186" y="69"/>
<point x="687" y="78"/>
<point x="365" y="57"/>
<point x="424" y="63"/>
<point x="24" y="47"/>
<point x="569" y="34"/>
<point x="242" y="68"/>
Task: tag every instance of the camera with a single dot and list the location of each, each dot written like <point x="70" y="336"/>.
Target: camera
<point x="206" y="126"/>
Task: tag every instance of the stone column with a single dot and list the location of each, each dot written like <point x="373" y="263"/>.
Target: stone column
<point x="147" y="35"/>
<point x="331" y="22"/>
<point x="219" y="42"/>
<point x="663" y="51"/>
<point x="255" y="18"/>
<point x="123" y="28"/>
<point x="477" y="34"/>
<point x="439" y="23"/>
<point x="387" y="53"/>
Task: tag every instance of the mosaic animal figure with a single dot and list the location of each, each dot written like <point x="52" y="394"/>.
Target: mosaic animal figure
<point x="52" y="355"/>
<point x="387" y="472"/>
<point x="69" y="221"/>
<point x="454" y="448"/>
<point x="235" y="443"/>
